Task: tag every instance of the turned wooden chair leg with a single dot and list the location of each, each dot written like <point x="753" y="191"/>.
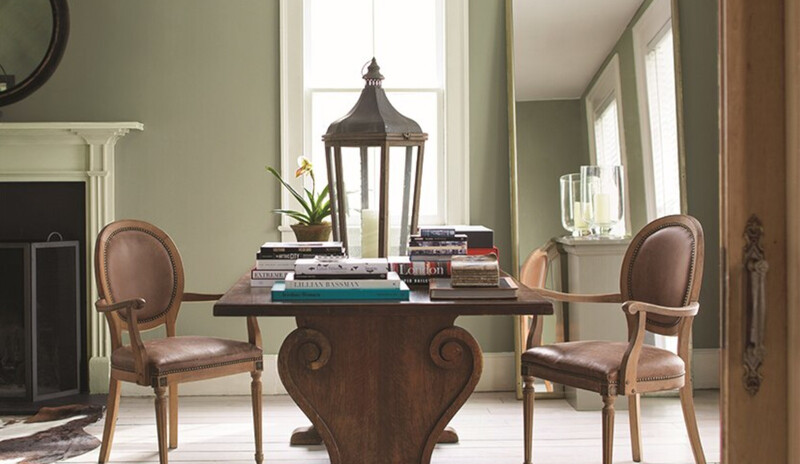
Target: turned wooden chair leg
<point x="161" y="422"/>
<point x="608" y="429"/>
<point x="255" y="391"/>
<point x="687" y="404"/>
<point x="527" y="412"/>
<point x="173" y="415"/>
<point x="634" y="406"/>
<point x="112" y="408"/>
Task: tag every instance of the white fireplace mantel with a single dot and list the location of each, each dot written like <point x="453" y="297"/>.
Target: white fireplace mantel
<point x="72" y="152"/>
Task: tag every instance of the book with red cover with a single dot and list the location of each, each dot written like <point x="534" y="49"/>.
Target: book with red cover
<point x="484" y="251"/>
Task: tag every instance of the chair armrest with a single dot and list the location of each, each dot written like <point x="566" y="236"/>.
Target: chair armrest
<point x="129" y="309"/>
<point x="638" y="310"/>
<point x="135" y="304"/>
<point x="579" y="298"/>
<point x="201" y="296"/>
<point x="633" y="307"/>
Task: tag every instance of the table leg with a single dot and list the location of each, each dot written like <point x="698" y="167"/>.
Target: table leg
<point x="379" y="389"/>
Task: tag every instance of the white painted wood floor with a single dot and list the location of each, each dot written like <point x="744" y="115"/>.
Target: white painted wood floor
<point x="219" y="429"/>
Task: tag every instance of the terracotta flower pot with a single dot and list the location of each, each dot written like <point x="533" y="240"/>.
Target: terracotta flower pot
<point x="315" y="233"/>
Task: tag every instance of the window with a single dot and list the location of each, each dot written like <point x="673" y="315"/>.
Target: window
<point x="655" y="75"/>
<point x="422" y="49"/>
<point x="604" y="122"/>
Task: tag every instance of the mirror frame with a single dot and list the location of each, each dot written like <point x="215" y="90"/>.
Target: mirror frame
<point x="519" y="330"/>
<point x="48" y="65"/>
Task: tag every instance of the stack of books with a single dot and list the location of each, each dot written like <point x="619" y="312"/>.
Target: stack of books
<point x="474" y="271"/>
<point x="480" y="239"/>
<point x="275" y="260"/>
<point x="443" y="289"/>
<point x="436" y="244"/>
<point x="331" y="279"/>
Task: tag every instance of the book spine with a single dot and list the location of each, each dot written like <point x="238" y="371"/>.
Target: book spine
<point x="483" y="251"/>
<point x="341" y="284"/>
<point x="339" y="294"/>
<point x="479" y="238"/>
<point x="307" y="250"/>
<point x="414" y="280"/>
<point x="421" y="242"/>
<point x="432" y="232"/>
<point x="339" y="276"/>
<point x="260" y="274"/>
<point x="422" y="269"/>
<point x="412" y="251"/>
<point x="261" y="255"/>
<point x="263" y="282"/>
<point x="274" y="265"/>
<point x="431" y="258"/>
<point x="342" y="269"/>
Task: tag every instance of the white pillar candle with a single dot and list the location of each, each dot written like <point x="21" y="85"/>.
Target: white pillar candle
<point x="369" y="233"/>
<point x="603" y="208"/>
<point x="578" y="215"/>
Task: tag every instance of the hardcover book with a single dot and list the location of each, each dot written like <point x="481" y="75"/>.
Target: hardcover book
<point x="437" y="232"/>
<point x="392" y="281"/>
<point x="267" y="274"/>
<point x="404" y="267"/>
<point x="441" y="289"/>
<point x="341" y="266"/>
<point x="302" y="247"/>
<point x="281" y="293"/>
<point x="477" y="236"/>
<point x="275" y="264"/>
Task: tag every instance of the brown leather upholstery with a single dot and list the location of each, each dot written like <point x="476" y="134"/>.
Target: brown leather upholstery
<point x="187" y="353"/>
<point x="594" y="365"/>
<point x="660" y="268"/>
<point x="140" y="261"/>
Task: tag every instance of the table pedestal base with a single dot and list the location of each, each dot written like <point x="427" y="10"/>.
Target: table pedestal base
<point x="379" y="389"/>
<point x="308" y="436"/>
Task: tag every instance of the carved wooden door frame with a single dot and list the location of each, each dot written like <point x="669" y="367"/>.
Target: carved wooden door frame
<point x="759" y="223"/>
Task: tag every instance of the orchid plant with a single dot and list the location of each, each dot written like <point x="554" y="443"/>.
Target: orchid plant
<point x="316" y="207"/>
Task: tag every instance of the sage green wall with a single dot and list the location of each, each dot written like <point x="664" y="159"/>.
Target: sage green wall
<point x="551" y="142"/>
<point x="203" y="77"/>
<point x="698" y="33"/>
<point x="488" y="168"/>
<point x="697" y="21"/>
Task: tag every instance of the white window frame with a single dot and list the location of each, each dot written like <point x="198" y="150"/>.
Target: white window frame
<point x="650" y="25"/>
<point x="608" y="86"/>
<point x="455" y="133"/>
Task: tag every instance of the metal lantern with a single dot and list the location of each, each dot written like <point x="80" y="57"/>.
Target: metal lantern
<point x="374" y="122"/>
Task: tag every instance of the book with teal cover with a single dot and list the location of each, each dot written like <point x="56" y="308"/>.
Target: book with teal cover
<point x="281" y="293"/>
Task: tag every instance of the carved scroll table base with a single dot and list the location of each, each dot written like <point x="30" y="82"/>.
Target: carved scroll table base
<point x="379" y="389"/>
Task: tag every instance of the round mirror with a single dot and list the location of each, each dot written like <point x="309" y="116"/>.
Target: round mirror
<point x="33" y="36"/>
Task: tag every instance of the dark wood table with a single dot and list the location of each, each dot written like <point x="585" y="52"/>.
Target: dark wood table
<point x="379" y="380"/>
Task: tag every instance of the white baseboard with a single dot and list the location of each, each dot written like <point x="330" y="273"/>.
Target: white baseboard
<point x="705" y="368"/>
<point x="498" y="375"/>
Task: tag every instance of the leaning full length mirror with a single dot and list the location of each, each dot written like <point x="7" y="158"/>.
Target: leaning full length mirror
<point x="33" y="35"/>
<point x="592" y="83"/>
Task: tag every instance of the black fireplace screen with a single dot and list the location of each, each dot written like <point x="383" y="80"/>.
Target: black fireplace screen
<point x="40" y="329"/>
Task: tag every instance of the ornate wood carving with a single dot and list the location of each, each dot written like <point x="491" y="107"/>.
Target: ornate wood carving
<point x="379" y="388"/>
<point x="756" y="268"/>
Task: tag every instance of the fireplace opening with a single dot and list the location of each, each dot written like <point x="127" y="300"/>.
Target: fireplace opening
<point x="49" y="279"/>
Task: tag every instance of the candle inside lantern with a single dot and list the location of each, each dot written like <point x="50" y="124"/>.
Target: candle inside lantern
<point x="578" y="212"/>
<point x="603" y="206"/>
<point x="369" y="233"/>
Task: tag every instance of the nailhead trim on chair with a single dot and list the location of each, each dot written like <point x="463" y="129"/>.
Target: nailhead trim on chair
<point x="587" y="377"/>
<point x="692" y="263"/>
<point x="171" y="260"/>
<point x="197" y="368"/>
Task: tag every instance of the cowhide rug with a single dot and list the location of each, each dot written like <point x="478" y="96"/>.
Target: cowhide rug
<point x="53" y="434"/>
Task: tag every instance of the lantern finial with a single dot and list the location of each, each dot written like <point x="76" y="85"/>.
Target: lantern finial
<point x="373" y="75"/>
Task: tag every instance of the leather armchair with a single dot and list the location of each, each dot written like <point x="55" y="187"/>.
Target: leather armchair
<point x="659" y="288"/>
<point x="140" y="281"/>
